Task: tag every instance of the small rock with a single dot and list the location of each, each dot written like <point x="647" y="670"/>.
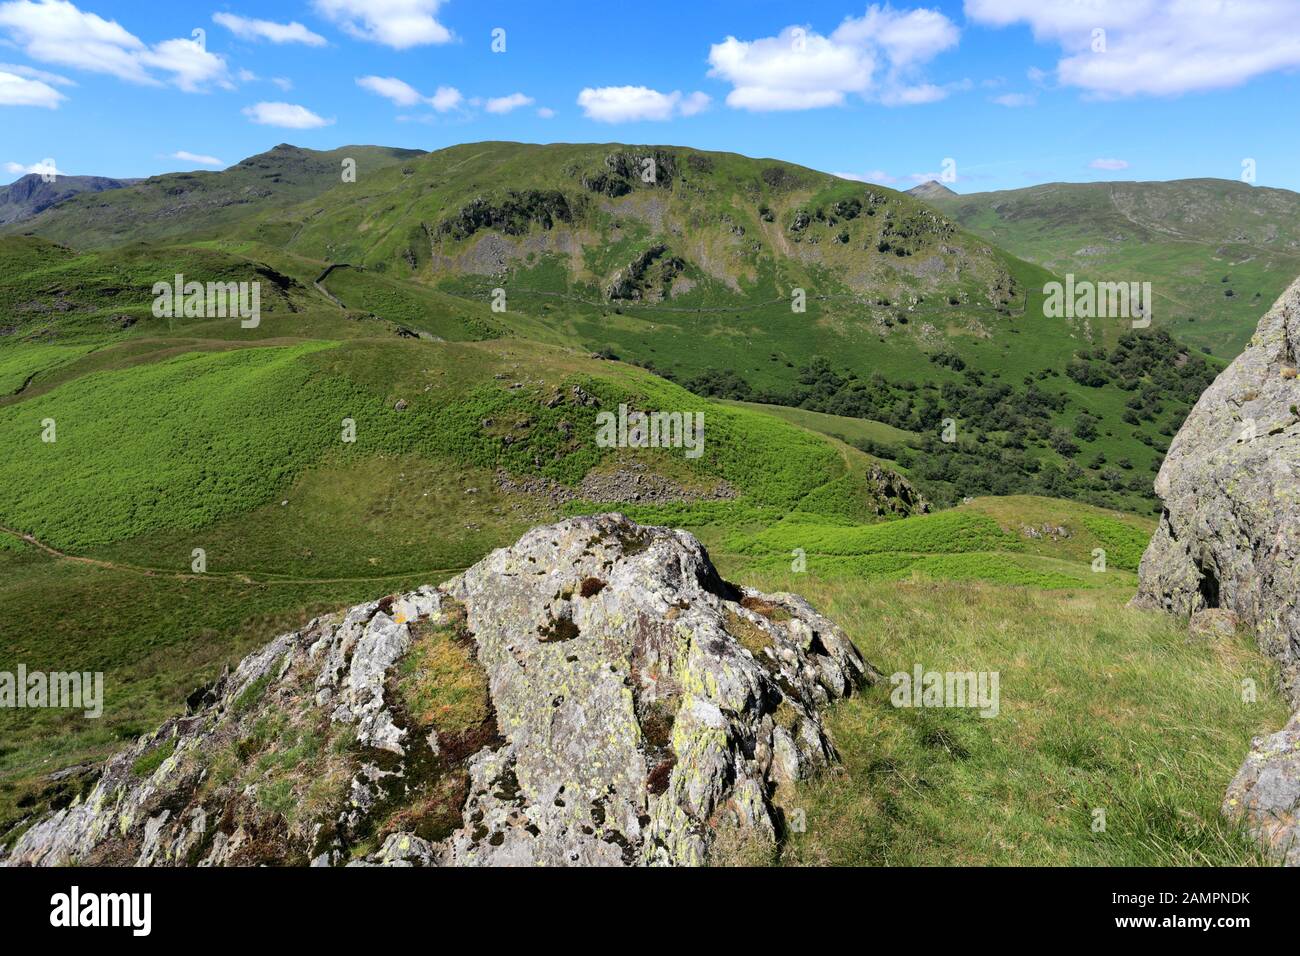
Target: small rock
<point x="1213" y="623"/>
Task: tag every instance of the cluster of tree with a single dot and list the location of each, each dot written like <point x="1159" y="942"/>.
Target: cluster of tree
<point x="1024" y="414"/>
<point x="1151" y="363"/>
<point x="946" y="473"/>
<point x="1008" y="423"/>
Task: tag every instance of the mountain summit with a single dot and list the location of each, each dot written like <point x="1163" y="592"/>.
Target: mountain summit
<point x="32" y="194"/>
<point x="931" y="189"/>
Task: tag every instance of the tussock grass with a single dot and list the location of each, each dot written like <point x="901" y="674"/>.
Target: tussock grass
<point x="1102" y="707"/>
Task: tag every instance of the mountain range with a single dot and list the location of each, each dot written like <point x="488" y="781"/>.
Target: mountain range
<point x="34" y="193"/>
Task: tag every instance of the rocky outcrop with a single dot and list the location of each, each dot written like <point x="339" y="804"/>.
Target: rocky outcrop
<point x="1227" y="549"/>
<point x="649" y="276"/>
<point x="1265" y="794"/>
<point x="594" y="694"/>
<point x="1229" y="534"/>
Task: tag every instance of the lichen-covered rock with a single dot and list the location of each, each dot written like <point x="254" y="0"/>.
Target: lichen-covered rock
<point x="1227" y="549"/>
<point x="1213" y="624"/>
<point x="1266" y="792"/>
<point x="593" y="695"/>
<point x="1229" y="534"/>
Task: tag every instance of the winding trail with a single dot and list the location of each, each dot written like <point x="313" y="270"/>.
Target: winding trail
<point x="434" y="576"/>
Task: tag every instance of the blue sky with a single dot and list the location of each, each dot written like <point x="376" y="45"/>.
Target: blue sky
<point x="1015" y="92"/>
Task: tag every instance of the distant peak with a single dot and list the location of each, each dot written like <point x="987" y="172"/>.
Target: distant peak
<point x="931" y="189"/>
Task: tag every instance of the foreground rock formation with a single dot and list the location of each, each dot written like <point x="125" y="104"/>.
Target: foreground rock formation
<point x="1229" y="536"/>
<point x="1229" y="539"/>
<point x="1265" y="794"/>
<point x="594" y="694"/>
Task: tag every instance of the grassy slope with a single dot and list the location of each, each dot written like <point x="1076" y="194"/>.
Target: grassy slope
<point x="1101" y="707"/>
<point x="742" y="267"/>
<point x="1184" y="237"/>
<point x="839" y="426"/>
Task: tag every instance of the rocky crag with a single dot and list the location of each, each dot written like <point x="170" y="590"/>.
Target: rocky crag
<point x="1228" y="543"/>
<point x="594" y="694"/>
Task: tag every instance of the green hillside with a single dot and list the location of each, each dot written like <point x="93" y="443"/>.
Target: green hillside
<point x="1217" y="252"/>
<point x="684" y="262"/>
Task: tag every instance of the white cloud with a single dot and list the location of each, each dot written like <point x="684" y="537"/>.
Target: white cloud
<point x="248" y="28"/>
<point x="400" y="24"/>
<point x="391" y="88"/>
<point x="283" y="82"/>
<point x="878" y="176"/>
<point x="1111" y="165"/>
<point x="45" y="167"/>
<point x="801" y="69"/>
<point x="913" y="95"/>
<point x="914" y="36"/>
<point x="192" y="67"/>
<point x="694" y="103"/>
<point x="56" y="31"/>
<point x="20" y="91"/>
<point x="792" y="71"/>
<point x="1156" y="47"/>
<point x="401" y="93"/>
<point x="446" y="98"/>
<point x="1015" y="100"/>
<point x="31" y="73"/>
<point x="202" y="160"/>
<point x="627" y="104"/>
<point x="545" y="112"/>
<point x="507" y="104"/>
<point x="287" y="115"/>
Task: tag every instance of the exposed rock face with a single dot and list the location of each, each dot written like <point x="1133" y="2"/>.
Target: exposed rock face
<point x="1227" y="549"/>
<point x="1229" y="536"/>
<point x="594" y="694"/>
<point x="1266" y="792"/>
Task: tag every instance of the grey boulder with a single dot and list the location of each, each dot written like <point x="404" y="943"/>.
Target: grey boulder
<point x="594" y="694"/>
